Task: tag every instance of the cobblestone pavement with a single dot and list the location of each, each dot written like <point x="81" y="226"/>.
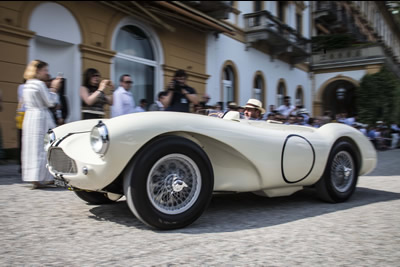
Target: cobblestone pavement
<point x="53" y="227"/>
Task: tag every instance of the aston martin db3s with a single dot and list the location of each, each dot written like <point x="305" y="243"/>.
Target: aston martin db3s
<point x="168" y="164"/>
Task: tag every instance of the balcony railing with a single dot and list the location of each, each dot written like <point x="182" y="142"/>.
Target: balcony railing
<point x="263" y="27"/>
<point x="215" y="9"/>
<point x="355" y="57"/>
<point x="348" y="56"/>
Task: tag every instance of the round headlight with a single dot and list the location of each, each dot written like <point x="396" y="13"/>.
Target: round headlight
<point x="99" y="138"/>
<point x="49" y="138"/>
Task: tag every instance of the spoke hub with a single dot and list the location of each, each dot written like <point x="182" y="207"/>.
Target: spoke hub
<point x="178" y="185"/>
<point x="347" y="172"/>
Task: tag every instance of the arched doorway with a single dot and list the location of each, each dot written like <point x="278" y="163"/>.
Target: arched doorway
<point x="228" y="86"/>
<point x="57" y="44"/>
<point x="229" y="82"/>
<point x="280" y="93"/>
<point x="259" y="87"/>
<point x="339" y="97"/>
<point x="299" y="97"/>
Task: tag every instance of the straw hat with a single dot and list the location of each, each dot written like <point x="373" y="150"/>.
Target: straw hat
<point x="233" y="105"/>
<point x="255" y="103"/>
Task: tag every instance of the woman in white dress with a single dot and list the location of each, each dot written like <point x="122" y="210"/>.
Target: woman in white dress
<point x="37" y="121"/>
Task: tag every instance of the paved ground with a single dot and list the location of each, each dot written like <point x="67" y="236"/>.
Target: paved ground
<point x="52" y="227"/>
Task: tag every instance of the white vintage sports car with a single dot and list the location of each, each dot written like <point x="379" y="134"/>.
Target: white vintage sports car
<point x="168" y="164"/>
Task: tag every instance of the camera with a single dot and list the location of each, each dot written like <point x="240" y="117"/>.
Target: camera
<point x="176" y="86"/>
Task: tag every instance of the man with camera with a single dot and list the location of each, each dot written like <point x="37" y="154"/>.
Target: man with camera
<point x="179" y="95"/>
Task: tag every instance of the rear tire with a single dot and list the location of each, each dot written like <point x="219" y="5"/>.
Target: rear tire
<point x="94" y="197"/>
<point x="339" y="180"/>
<point x="169" y="183"/>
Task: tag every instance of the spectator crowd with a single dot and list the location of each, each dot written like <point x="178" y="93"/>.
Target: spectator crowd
<point x="42" y="100"/>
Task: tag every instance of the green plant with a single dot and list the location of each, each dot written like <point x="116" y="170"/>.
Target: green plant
<point x="378" y="98"/>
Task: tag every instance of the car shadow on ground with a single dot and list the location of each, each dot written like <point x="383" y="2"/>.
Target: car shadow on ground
<point x="237" y="212"/>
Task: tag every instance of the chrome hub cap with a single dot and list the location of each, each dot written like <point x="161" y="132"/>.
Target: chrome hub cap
<point x="342" y="171"/>
<point x="178" y="185"/>
<point x="174" y="184"/>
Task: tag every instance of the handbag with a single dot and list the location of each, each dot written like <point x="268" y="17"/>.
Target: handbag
<point x="19" y="117"/>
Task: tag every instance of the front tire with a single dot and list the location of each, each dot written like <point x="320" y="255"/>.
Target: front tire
<point x="339" y="180"/>
<point x="169" y="183"/>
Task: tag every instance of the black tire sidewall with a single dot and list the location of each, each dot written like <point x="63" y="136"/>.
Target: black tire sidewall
<point x="144" y="162"/>
<point x="334" y="194"/>
<point x="94" y="197"/>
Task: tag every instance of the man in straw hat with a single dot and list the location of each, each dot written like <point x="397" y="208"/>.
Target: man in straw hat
<point x="253" y="109"/>
<point x="232" y="106"/>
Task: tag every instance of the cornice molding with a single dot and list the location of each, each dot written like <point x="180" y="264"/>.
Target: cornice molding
<point x="16" y="31"/>
<point x="96" y="50"/>
<point x="189" y="73"/>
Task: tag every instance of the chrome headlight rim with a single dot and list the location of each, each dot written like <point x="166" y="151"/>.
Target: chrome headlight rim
<point x="49" y="139"/>
<point x="99" y="138"/>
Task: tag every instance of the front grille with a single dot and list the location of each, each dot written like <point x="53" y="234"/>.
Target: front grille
<point x="61" y="163"/>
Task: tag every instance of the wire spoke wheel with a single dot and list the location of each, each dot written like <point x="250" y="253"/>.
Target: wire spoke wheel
<point x="169" y="183"/>
<point x="339" y="180"/>
<point x="173" y="184"/>
<point x="342" y="171"/>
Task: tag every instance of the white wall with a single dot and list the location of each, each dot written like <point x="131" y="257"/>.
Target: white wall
<point x="56" y="42"/>
<point x="291" y="15"/>
<point x="245" y="7"/>
<point x="307" y="20"/>
<point x="248" y="62"/>
<point x="271" y="7"/>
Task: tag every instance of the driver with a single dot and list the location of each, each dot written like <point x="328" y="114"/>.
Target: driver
<point x="253" y="109"/>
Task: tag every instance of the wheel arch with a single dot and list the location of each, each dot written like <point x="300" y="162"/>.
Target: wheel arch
<point x="357" y="151"/>
<point x="185" y="135"/>
<point x="140" y="165"/>
<point x="325" y="188"/>
<point x="215" y="150"/>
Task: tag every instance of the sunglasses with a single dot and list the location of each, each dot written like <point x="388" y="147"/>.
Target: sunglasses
<point x="96" y="75"/>
<point x="128" y="82"/>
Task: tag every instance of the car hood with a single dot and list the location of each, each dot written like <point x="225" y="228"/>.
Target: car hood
<point x="76" y="127"/>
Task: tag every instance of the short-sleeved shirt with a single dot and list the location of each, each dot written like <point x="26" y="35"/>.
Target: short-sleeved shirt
<point x="285" y="110"/>
<point x="179" y="101"/>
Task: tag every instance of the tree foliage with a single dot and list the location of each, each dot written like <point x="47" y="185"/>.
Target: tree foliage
<point x="378" y="98"/>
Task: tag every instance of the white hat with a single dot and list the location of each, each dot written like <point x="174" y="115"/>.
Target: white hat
<point x="254" y="103"/>
<point x="233" y="105"/>
<point x="302" y="111"/>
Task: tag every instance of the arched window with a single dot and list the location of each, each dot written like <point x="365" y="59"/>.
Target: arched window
<point x="259" y="87"/>
<point x="132" y="41"/>
<point x="299" y="96"/>
<point x="228" y="83"/>
<point x="281" y="93"/>
<point x="135" y="56"/>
